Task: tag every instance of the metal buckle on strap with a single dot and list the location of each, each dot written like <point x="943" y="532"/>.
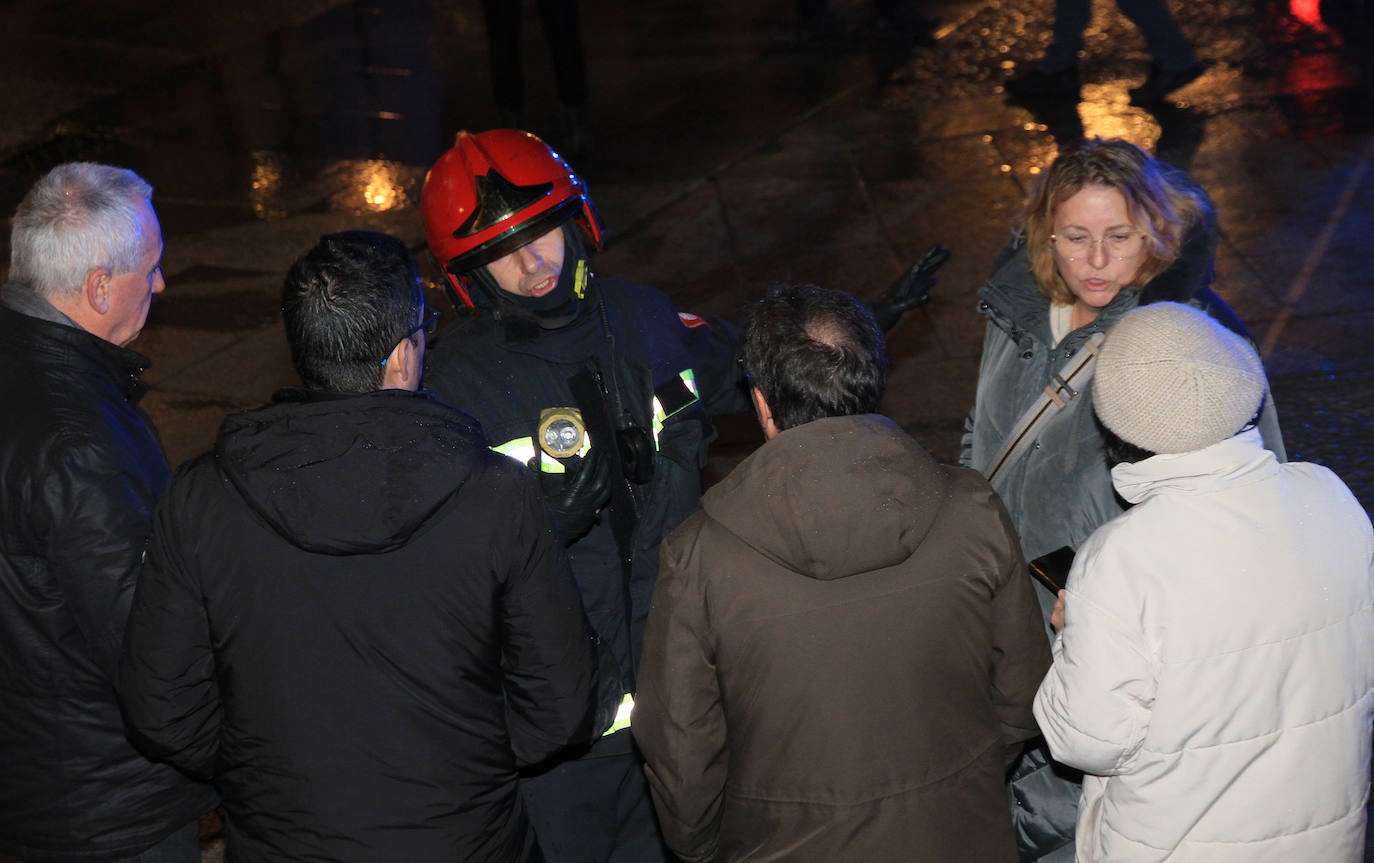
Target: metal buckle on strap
<point x="1058" y="385"/>
<point x="1078" y="368"/>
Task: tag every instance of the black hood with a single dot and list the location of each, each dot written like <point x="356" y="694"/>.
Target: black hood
<point x="349" y="474"/>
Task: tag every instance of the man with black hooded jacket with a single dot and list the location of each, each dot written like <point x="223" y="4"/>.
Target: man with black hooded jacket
<point x="354" y="615"/>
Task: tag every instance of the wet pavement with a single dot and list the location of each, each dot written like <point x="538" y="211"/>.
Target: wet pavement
<point x="729" y="153"/>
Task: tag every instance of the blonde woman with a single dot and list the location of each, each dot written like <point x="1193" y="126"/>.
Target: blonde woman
<point x="1105" y="229"/>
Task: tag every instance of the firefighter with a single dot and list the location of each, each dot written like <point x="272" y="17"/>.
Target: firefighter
<point x="602" y="388"/>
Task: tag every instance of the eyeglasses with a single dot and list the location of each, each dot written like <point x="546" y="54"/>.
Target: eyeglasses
<point x="1121" y="245"/>
<point x="430" y="324"/>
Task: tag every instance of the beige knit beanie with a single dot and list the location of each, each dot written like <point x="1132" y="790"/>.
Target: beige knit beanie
<point x="1170" y="379"/>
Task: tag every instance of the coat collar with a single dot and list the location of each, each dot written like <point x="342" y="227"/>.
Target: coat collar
<point x="1011" y="299"/>
<point x="123" y="365"/>
<point x="26" y="301"/>
<point x="1238" y="460"/>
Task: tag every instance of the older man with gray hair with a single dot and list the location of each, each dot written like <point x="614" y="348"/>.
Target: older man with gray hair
<point x="80" y="470"/>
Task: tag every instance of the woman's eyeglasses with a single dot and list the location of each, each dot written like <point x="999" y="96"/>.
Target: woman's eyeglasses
<point x="1121" y="245"/>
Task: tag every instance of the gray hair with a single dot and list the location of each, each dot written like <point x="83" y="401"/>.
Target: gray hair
<point x="78" y="218"/>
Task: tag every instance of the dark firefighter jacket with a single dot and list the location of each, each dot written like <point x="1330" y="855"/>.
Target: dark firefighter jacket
<point x="80" y="472"/>
<point x="360" y="621"/>
<point x="663" y="372"/>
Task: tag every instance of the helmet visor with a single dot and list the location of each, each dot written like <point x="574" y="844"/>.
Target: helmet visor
<point x="508" y="241"/>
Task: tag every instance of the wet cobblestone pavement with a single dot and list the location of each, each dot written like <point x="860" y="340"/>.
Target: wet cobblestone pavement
<point x="729" y="153"/>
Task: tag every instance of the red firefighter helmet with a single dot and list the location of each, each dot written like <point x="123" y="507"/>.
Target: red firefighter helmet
<point x="492" y="193"/>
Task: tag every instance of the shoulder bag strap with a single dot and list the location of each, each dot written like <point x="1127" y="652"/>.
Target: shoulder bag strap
<point x="1063" y="388"/>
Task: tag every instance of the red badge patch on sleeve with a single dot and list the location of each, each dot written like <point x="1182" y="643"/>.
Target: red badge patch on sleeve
<point x="692" y="321"/>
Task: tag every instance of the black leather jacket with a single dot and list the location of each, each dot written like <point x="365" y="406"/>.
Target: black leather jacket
<point x="80" y="470"/>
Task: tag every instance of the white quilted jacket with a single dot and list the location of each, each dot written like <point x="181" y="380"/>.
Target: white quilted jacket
<point x="1216" y="671"/>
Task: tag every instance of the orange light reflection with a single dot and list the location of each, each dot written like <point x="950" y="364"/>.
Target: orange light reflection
<point x="266" y="185"/>
<point x="1107" y="112"/>
<point x="373" y="186"/>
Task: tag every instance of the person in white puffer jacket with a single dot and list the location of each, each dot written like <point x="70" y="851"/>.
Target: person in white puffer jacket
<point x="1214" y="669"/>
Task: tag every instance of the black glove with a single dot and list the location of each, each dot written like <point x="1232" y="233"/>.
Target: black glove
<point x="577" y="495"/>
<point x="911" y="290"/>
<point x="610" y="689"/>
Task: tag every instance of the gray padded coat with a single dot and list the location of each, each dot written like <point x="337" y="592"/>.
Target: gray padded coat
<point x="1060" y="490"/>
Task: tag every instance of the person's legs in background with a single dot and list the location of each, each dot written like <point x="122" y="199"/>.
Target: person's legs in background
<point x="1056" y="73"/>
<point x="503" y="48"/>
<point x="562" y="25"/>
<point x="1174" y="64"/>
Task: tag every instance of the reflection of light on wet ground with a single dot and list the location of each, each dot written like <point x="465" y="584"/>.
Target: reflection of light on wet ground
<point x="1319" y="250"/>
<point x="1309" y="13"/>
<point x="1041" y="153"/>
<point x="373" y="186"/>
<point x="266" y="185"/>
<point x="1107" y="113"/>
<point x="382" y="191"/>
<point x="1316" y="73"/>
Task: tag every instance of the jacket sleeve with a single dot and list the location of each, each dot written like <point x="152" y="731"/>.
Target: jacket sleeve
<point x="966" y="443"/>
<point x="679" y="719"/>
<point x="714" y="349"/>
<point x="1094" y="705"/>
<point x="548" y="652"/>
<point x="1001" y="259"/>
<point x="98" y="515"/>
<point x="989" y="374"/>
<point x="1021" y="653"/>
<point x="970" y="421"/>
<point x="167" y="684"/>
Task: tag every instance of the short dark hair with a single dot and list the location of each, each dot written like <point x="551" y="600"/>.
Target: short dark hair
<point x="814" y="353"/>
<point x="1116" y="450"/>
<point x="346" y="304"/>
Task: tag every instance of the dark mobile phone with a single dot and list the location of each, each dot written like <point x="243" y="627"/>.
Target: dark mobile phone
<point x="1052" y="570"/>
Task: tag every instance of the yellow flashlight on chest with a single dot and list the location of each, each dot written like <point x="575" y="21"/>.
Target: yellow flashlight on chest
<point x="561" y="431"/>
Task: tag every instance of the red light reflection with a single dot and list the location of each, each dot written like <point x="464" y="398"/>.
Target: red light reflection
<point x="1308" y="12"/>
